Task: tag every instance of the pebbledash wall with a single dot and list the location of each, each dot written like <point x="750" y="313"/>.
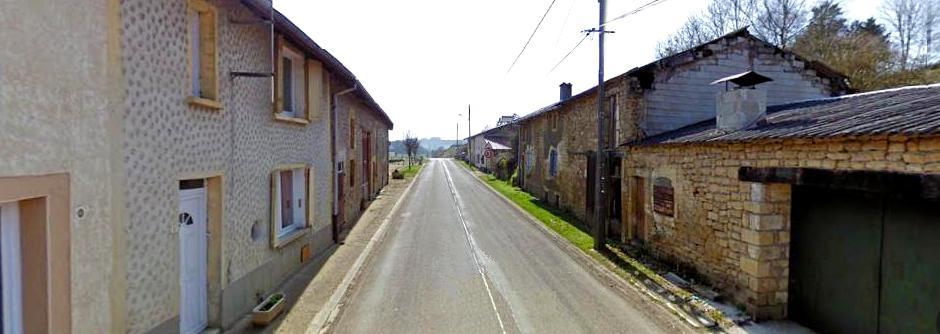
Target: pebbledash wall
<point x="352" y="114"/>
<point x="168" y="140"/>
<point x="58" y="125"/>
<point x="664" y="95"/>
<point x="734" y="233"/>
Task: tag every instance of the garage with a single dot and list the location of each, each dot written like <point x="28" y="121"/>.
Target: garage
<point x="865" y="256"/>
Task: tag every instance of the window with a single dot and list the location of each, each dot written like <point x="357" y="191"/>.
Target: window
<point x="663" y="197"/>
<point x="301" y="89"/>
<point x="204" y="87"/>
<point x="553" y="162"/>
<point x="352" y="173"/>
<point x="352" y="132"/>
<point x="290" y="202"/>
<point x="615" y="120"/>
<point x="293" y="84"/>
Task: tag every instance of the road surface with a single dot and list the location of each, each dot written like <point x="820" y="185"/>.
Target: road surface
<point x="458" y="259"/>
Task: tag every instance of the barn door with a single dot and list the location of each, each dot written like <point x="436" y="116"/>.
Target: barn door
<point x="910" y="284"/>
<point x="834" y="260"/>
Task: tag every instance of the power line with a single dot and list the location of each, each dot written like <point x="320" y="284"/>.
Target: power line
<point x="637" y="10"/>
<point x="570" y="52"/>
<point x="532" y="35"/>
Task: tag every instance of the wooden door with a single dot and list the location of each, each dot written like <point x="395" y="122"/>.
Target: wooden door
<point x="638" y="217"/>
<point x="589" y="197"/>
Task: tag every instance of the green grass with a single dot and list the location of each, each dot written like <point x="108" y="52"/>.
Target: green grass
<point x="411" y="171"/>
<point x="560" y="222"/>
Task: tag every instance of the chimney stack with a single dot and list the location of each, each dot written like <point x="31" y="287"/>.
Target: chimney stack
<point x="565" y="91"/>
<point x="743" y="106"/>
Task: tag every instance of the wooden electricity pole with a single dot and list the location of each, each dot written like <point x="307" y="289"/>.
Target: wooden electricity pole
<point x="600" y="173"/>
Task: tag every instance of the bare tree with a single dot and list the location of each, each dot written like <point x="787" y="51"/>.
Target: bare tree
<point x="780" y="21"/>
<point x="905" y="19"/>
<point x="411" y="147"/>
<point x="729" y="15"/>
<point x="691" y="34"/>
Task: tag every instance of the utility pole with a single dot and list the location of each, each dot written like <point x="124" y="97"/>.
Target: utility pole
<point x="600" y="171"/>
<point x="457" y="138"/>
<point x="468" y="135"/>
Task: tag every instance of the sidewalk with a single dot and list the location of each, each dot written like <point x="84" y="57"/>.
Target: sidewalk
<point x="310" y="289"/>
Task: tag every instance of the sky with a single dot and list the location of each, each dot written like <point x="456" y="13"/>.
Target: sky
<point x="426" y="61"/>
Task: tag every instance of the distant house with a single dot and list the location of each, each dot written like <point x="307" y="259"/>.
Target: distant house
<point x="503" y="137"/>
<point x="824" y="211"/>
<point x="557" y="143"/>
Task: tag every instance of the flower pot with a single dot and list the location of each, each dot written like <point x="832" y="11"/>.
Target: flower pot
<point x="269" y="309"/>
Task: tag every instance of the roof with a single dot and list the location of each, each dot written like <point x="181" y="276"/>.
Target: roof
<point x="497" y="146"/>
<point x="284" y="26"/>
<point x="749" y="78"/>
<point x="822" y="70"/>
<point x="912" y="111"/>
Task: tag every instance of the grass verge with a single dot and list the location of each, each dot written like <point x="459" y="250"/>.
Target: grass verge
<point x="558" y="221"/>
<point x="412" y="170"/>
<point x="611" y="256"/>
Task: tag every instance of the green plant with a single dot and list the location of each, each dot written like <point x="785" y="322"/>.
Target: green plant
<point x="273" y="300"/>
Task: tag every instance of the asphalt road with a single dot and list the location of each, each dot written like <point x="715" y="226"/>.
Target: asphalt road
<point x="458" y="259"/>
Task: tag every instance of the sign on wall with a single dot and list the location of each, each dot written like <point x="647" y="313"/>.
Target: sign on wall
<point x="663" y="197"/>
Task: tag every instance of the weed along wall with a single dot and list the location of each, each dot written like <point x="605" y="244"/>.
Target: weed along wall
<point x="736" y="234"/>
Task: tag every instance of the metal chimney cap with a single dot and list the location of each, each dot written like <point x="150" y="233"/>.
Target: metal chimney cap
<point x="746" y="79"/>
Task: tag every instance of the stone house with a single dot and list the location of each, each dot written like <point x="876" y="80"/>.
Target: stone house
<point x="361" y="144"/>
<point x="822" y="211"/>
<point x="502" y="138"/>
<point x="557" y="143"/>
<point x="161" y="186"/>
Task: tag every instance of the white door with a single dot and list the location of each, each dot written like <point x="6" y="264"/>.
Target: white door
<point x="194" y="311"/>
<point x="11" y="285"/>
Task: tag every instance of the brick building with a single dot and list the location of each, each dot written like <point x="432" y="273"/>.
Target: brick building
<point x="557" y="142"/>
<point x="823" y="211"/>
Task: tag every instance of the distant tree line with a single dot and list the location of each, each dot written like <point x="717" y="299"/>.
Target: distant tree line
<point x="898" y="48"/>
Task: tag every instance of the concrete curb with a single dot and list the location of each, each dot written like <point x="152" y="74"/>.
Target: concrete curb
<point x="324" y="319"/>
<point x="625" y="288"/>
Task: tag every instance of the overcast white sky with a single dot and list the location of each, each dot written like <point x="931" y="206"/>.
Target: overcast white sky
<point x="424" y="61"/>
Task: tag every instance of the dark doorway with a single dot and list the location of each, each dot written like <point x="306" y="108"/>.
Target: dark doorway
<point x="589" y="198"/>
<point x="864" y="262"/>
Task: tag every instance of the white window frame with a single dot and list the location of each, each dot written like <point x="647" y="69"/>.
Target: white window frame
<point x="295" y="107"/>
<point x="299" y="186"/>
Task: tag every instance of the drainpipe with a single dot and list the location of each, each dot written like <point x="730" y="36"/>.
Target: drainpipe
<point x="336" y="185"/>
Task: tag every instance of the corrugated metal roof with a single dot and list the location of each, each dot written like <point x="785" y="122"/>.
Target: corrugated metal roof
<point x="497" y="146"/>
<point x="913" y="110"/>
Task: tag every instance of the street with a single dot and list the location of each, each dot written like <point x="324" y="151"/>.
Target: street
<point x="458" y="259"/>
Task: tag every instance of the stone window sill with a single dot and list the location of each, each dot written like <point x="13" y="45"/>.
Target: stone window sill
<point x="289" y="119"/>
<point x="284" y="240"/>
<point x="204" y="103"/>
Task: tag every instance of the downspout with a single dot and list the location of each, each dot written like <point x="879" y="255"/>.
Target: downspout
<point x="336" y="184"/>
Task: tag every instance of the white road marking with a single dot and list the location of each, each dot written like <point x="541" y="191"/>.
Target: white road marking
<point x="473" y="248"/>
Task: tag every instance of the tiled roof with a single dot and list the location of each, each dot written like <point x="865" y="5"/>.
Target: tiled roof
<point x="912" y="111"/>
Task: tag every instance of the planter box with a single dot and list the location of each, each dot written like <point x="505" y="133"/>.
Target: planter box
<point x="264" y="318"/>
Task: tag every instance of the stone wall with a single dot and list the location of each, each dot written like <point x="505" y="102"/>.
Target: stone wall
<point x="736" y="234"/>
<point x="350" y="110"/>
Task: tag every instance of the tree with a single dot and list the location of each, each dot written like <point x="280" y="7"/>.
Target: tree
<point x="691" y="34"/>
<point x="913" y="26"/>
<point x="859" y="50"/>
<point x="411" y="146"/>
<point x="780" y="21"/>
<point x="729" y="15"/>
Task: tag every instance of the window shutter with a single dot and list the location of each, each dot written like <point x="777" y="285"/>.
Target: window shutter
<point x="278" y="72"/>
<point x="315" y="90"/>
<point x="208" y="57"/>
<point x="310" y="194"/>
<point x="275" y="207"/>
